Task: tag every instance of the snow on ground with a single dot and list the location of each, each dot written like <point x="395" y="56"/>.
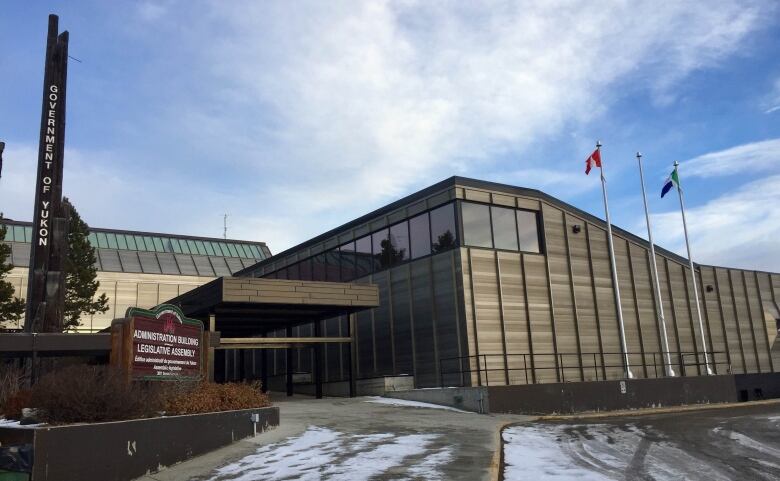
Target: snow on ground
<point x="596" y="452"/>
<point x="9" y="423"/>
<point x="322" y="453"/>
<point x="413" y="404"/>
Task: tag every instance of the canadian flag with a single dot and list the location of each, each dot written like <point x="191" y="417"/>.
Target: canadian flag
<point x="593" y="161"/>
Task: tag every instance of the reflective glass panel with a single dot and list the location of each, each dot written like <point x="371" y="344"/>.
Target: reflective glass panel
<point x="347" y="255"/>
<point x="233" y="251"/>
<point x="420" y="236"/>
<point x="294" y="272"/>
<point x="504" y="229"/>
<point x="28" y="234"/>
<point x="111" y="237"/>
<point x="380" y="246"/>
<point x="18" y="234"/>
<point x="149" y="243"/>
<point x="102" y="240"/>
<point x="528" y="230"/>
<point x="305" y="269"/>
<point x="139" y="243"/>
<point x="209" y="248"/>
<point x="121" y="240"/>
<point x="333" y="266"/>
<point x="158" y="244"/>
<point x="476" y="225"/>
<point x="130" y="242"/>
<point x="363" y="259"/>
<point x="443" y="231"/>
<point x="399" y="243"/>
<point x="192" y="247"/>
<point x="92" y="239"/>
<point x="319" y="268"/>
<point x="201" y="248"/>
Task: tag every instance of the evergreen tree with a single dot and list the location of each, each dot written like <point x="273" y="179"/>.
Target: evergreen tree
<point x="11" y="307"/>
<point x="80" y="274"/>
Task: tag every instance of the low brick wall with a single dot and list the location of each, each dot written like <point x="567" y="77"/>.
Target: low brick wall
<point x="125" y="450"/>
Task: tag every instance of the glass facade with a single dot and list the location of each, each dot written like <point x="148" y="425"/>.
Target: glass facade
<point x="500" y="227"/>
<point x="425" y="234"/>
<point x="146" y="243"/>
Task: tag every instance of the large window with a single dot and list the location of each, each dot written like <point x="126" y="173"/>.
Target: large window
<point x="399" y="243"/>
<point x="380" y="244"/>
<point x="476" y="225"/>
<point x="443" y="228"/>
<point x="420" y="236"/>
<point x="347" y="255"/>
<point x="500" y="227"/>
<point x="363" y="258"/>
<point x="504" y="228"/>
<point x="528" y="230"/>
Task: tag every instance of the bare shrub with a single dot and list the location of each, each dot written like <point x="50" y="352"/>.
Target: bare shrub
<point x="91" y="394"/>
<point x="207" y="397"/>
<point x="13" y="379"/>
<point x="83" y="394"/>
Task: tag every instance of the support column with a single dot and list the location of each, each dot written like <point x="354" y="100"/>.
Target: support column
<point x="264" y="368"/>
<point x="352" y="354"/>
<point x="211" y="350"/>
<point x="317" y="368"/>
<point x="288" y="366"/>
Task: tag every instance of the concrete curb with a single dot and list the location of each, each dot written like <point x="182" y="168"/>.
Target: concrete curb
<point x="497" y="464"/>
<point x="651" y="411"/>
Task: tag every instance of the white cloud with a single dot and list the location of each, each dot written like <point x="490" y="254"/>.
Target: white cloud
<point x="737" y="229"/>
<point x="753" y="157"/>
<point x="741" y="227"/>
<point x="331" y="109"/>
<point x="771" y="101"/>
<point x="370" y="100"/>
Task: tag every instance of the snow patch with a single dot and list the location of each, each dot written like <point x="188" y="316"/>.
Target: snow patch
<point x="413" y="404"/>
<point x="9" y="423"/>
<point x="322" y="453"/>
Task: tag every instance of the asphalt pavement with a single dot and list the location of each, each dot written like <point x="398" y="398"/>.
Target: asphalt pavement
<point x="356" y="439"/>
<point x="740" y="442"/>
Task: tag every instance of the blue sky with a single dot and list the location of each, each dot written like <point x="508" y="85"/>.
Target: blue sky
<point x="295" y="117"/>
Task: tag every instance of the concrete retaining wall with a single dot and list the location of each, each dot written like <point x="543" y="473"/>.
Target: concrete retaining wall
<point x="473" y="399"/>
<point x="575" y="397"/>
<point x="125" y="450"/>
<point x="564" y="398"/>
<point x="375" y="386"/>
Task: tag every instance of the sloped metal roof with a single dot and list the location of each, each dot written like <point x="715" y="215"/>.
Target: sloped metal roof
<point x="150" y="252"/>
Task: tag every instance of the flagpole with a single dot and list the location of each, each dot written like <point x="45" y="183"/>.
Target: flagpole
<point x="669" y="371"/>
<point x="693" y="272"/>
<point x="629" y="374"/>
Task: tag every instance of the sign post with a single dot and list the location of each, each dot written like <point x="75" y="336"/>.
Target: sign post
<point x="46" y="283"/>
<point x="158" y="344"/>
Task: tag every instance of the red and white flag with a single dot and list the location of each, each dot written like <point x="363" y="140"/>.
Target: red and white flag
<point x="593" y="161"/>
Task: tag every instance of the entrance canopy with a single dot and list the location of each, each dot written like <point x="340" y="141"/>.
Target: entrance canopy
<point x="247" y="306"/>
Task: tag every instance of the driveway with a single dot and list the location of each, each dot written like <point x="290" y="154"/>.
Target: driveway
<point x="357" y="439"/>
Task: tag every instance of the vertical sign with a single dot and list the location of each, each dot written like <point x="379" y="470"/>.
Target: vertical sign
<point x="45" y="290"/>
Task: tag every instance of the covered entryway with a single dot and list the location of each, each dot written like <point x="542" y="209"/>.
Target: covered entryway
<point x="241" y="312"/>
